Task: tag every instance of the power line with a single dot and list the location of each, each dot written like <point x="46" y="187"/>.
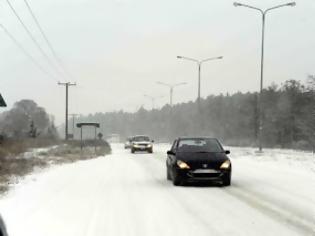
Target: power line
<point x="33" y="38"/>
<point x="53" y="51"/>
<point x="25" y="52"/>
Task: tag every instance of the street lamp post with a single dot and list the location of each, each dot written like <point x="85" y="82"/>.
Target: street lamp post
<point x="152" y="99"/>
<point x="171" y="87"/>
<point x="263" y="13"/>
<point x="199" y="63"/>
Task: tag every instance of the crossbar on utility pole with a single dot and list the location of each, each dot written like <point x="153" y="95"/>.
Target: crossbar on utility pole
<point x="67" y="84"/>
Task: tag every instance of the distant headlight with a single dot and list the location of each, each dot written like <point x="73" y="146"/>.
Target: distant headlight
<point x="182" y="165"/>
<point x="149" y="145"/>
<point x="225" y="165"/>
<point x="135" y="145"/>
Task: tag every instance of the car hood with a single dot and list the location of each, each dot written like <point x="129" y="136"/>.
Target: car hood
<point x="202" y="160"/>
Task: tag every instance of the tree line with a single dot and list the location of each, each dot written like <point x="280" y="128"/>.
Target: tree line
<point x="27" y="120"/>
<point x="288" y="114"/>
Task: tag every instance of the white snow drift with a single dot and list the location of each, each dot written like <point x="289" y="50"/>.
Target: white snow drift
<point x="127" y="194"/>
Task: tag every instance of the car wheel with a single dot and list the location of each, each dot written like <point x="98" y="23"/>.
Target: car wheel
<point x="151" y="150"/>
<point x="226" y="180"/>
<point x="176" y="180"/>
<point x="132" y="150"/>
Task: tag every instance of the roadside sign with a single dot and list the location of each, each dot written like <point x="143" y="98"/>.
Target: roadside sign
<point x="100" y="135"/>
<point x="2" y="102"/>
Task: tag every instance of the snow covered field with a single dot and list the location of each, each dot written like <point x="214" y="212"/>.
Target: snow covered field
<point x="127" y="194"/>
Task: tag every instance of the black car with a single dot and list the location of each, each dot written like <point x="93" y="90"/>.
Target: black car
<point x="198" y="159"/>
<point x="3" y="231"/>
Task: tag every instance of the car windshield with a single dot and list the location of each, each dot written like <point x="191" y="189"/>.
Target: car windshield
<point x="199" y="145"/>
<point x="141" y="138"/>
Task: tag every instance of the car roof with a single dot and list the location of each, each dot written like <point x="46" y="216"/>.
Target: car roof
<point x="196" y="137"/>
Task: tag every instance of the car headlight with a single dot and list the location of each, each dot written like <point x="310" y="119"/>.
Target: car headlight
<point x="149" y="145"/>
<point x="182" y="165"/>
<point x="135" y="145"/>
<point x="225" y="165"/>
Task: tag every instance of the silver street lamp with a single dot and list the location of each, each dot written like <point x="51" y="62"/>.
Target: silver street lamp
<point x="152" y="99"/>
<point x="171" y="87"/>
<point x="199" y="63"/>
<point x="263" y="13"/>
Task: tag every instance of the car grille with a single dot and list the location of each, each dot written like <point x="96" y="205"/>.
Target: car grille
<point x="204" y="175"/>
<point x="205" y="165"/>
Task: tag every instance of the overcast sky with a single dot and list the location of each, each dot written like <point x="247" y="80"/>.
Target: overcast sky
<point x="118" y="49"/>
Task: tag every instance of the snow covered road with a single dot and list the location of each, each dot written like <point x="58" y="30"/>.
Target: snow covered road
<point x="127" y="194"/>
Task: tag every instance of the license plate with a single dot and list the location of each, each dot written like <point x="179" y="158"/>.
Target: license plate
<point x="205" y="171"/>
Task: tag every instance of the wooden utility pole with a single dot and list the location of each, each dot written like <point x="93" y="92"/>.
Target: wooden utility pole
<point x="67" y="84"/>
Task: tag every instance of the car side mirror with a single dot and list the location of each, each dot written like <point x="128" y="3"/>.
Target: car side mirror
<point x="227" y="152"/>
<point x="170" y="152"/>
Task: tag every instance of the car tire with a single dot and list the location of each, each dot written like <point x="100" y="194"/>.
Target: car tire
<point x="176" y="180"/>
<point x="132" y="150"/>
<point x="150" y="150"/>
<point x="226" y="180"/>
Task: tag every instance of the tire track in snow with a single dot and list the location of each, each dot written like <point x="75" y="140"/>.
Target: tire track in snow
<point x="276" y="210"/>
<point x="219" y="207"/>
<point x="272" y="209"/>
<point x="178" y="199"/>
<point x="283" y="214"/>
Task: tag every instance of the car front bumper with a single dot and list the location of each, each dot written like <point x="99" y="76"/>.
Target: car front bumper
<point x="144" y="148"/>
<point x="203" y="174"/>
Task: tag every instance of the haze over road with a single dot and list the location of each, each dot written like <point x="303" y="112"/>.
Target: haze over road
<point x="127" y="194"/>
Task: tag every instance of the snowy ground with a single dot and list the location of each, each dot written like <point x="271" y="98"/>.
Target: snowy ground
<point x="125" y="194"/>
<point x="38" y="152"/>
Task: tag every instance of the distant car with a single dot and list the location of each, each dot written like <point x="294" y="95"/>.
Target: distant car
<point x="142" y="143"/>
<point x="128" y="143"/>
<point x="198" y="159"/>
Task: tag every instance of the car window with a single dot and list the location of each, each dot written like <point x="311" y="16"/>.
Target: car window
<point x="141" y="138"/>
<point x="199" y="145"/>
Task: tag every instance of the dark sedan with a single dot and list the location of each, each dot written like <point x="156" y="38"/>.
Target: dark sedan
<point x="198" y="159"/>
<point x="3" y="231"/>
